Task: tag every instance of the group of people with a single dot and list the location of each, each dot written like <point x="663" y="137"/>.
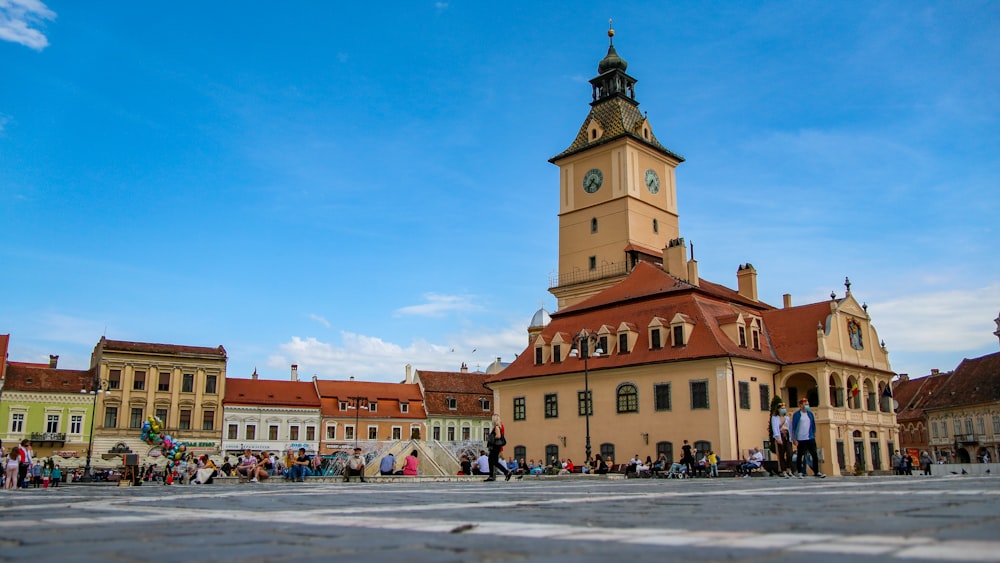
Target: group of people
<point x="21" y="470"/>
<point x="795" y="432"/>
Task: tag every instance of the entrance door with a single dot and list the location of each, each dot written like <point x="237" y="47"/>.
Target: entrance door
<point x="876" y="457"/>
<point x="859" y="455"/>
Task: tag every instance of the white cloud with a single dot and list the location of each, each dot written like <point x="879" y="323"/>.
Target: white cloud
<point x="440" y="6"/>
<point x="319" y="319"/>
<point x="943" y="321"/>
<point x="371" y="358"/>
<point x="438" y="305"/>
<point x="17" y="18"/>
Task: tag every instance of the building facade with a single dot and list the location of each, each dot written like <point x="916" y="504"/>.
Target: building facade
<point x="643" y="354"/>
<point x="270" y="415"/>
<point x="182" y="385"/>
<point x="963" y="415"/>
<point x="362" y="413"/>
<point x="459" y="405"/>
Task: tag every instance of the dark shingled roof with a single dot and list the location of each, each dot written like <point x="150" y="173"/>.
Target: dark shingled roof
<point x="466" y="388"/>
<point x="619" y="118"/>
<point x="152" y="348"/>
<point x="53" y="380"/>
<point x="914" y="394"/>
<point x="973" y="382"/>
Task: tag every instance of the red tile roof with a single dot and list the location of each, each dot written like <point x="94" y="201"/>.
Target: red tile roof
<point x="4" y="345"/>
<point x="52" y="380"/>
<point x="152" y="348"/>
<point x="649" y="292"/>
<point x="792" y="331"/>
<point x="973" y="382"/>
<point x="250" y="392"/>
<point x="912" y="395"/>
<point x="387" y="395"/>
<point x="466" y="388"/>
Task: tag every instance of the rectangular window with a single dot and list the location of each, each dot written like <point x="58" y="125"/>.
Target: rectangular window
<point x="397" y="432"/>
<point x="654" y="337"/>
<point x="743" y="337"/>
<point x="164" y="383"/>
<point x="162" y="415"/>
<point x="373" y="432"/>
<point x="139" y="381"/>
<point x="76" y="424"/>
<point x="348" y="431"/>
<point x="272" y="432"/>
<point x="115" y="379"/>
<point x="744" y="395"/>
<point x="551" y="405"/>
<point x="135" y="418"/>
<point x="343" y="405"/>
<point x="699" y="394"/>
<point x="17" y="423"/>
<point x="538" y="355"/>
<point x="592" y="262"/>
<point x="996" y="424"/>
<point x="52" y="423"/>
<point x="404" y="407"/>
<point x="187" y="383"/>
<point x="678" y="335"/>
<point x="519" y="410"/>
<point x="210" y="383"/>
<point x="233" y="432"/>
<point x="661" y="397"/>
<point x="436" y="433"/>
<point x="293" y="433"/>
<point x="452" y="403"/>
<point x="585" y="403"/>
<point x="623" y="343"/>
<point x="602" y="345"/>
<point x="251" y="431"/>
<point x="185" y="422"/>
<point x="208" y="420"/>
<point x="756" y="340"/>
<point x="451" y="433"/>
<point x="557" y="353"/>
<point x="373" y="406"/>
<point x="111" y="417"/>
<point x="968" y="426"/>
<point x="466" y="433"/>
<point x="331" y="432"/>
<point x="310" y="433"/>
<point x="981" y="425"/>
<point x="485" y="404"/>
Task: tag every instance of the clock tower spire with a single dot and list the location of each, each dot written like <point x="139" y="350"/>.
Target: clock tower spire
<point x="617" y="196"/>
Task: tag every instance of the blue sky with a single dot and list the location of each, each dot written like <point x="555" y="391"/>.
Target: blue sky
<point x="354" y="187"/>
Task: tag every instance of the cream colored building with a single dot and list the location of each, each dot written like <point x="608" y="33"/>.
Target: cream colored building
<point x="682" y="358"/>
<point x="182" y="385"/>
<point x="963" y="414"/>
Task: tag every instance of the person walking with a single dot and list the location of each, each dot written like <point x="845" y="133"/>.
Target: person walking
<point x="497" y="440"/>
<point x="803" y="434"/>
<point x="780" y="424"/>
<point x="24" y="459"/>
<point x="687" y="459"/>
<point x="11" y="467"/>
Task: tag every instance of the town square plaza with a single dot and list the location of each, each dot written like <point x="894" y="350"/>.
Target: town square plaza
<point x="940" y="518"/>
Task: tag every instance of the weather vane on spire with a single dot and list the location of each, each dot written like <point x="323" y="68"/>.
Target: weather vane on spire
<point x="611" y="32"/>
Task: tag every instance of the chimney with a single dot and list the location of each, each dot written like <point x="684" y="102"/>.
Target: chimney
<point x="904" y="377"/>
<point x="693" y="272"/>
<point x="409" y="373"/>
<point x="746" y="279"/>
<point x="787" y="298"/>
<point x="675" y="258"/>
<point x="935" y="371"/>
<point x="351" y="378"/>
<point x="253" y="375"/>
<point x="465" y="368"/>
<point x="295" y="372"/>
<point x="53" y="361"/>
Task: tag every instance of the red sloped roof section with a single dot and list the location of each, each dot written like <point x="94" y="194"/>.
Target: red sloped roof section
<point x="387" y="395"/>
<point x="153" y="348"/>
<point x="468" y="390"/>
<point x="30" y="378"/>
<point x="973" y="382"/>
<point x="793" y="331"/>
<point x="271" y="392"/>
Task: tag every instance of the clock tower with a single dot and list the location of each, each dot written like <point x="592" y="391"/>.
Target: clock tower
<point x="617" y="191"/>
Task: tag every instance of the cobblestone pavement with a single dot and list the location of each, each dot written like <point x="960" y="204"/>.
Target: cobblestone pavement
<point x="953" y="518"/>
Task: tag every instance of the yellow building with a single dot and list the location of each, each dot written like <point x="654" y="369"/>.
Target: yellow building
<point x="182" y="385"/>
<point x="681" y="358"/>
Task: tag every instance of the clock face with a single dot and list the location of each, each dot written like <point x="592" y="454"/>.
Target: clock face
<point x="652" y="181"/>
<point x="592" y="180"/>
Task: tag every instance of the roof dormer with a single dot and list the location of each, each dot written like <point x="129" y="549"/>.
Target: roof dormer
<point x="628" y="335"/>
<point x="681" y="327"/>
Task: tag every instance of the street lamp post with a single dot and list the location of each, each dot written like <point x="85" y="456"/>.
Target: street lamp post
<point x="98" y="386"/>
<point x="583" y="343"/>
<point x="357" y="415"/>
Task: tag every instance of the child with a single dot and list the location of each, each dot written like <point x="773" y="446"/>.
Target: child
<point x="11" y="467"/>
<point x="713" y="464"/>
<point x="46" y="475"/>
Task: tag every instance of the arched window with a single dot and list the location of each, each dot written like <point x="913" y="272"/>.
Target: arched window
<point x="520" y="452"/>
<point x="628" y="398"/>
<point x="703" y="446"/>
<point x="551" y="453"/>
<point x="608" y="452"/>
<point x="665" y="448"/>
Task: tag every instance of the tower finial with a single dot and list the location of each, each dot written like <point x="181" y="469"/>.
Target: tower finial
<point x="611" y="32"/>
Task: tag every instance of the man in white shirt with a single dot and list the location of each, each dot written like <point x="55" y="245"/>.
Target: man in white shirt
<point x="753" y="463"/>
<point x="483" y="463"/>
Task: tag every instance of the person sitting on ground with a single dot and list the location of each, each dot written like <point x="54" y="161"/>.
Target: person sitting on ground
<point x="465" y="466"/>
<point x="482" y="464"/>
<point x="388" y="464"/>
<point x="299" y="469"/>
<point x="247" y="466"/>
<point x="206" y="471"/>
<point x="355" y="466"/>
<point x="263" y="468"/>
<point x="513" y="466"/>
<point x="677" y="470"/>
<point x="227" y="468"/>
<point x="660" y="464"/>
<point x="600" y="467"/>
<point x="753" y="463"/>
<point x="537" y="468"/>
<point x="410" y="464"/>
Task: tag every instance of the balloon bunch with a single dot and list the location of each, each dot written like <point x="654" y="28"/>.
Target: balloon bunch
<point x="153" y="434"/>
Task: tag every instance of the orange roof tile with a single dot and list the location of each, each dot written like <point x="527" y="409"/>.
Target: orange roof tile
<point x="793" y="330"/>
<point x="468" y="389"/>
<point x="912" y="395"/>
<point x="974" y="381"/>
<point x="53" y="380"/>
<point x="152" y="348"/>
<point x="387" y="395"/>
<point x="250" y="392"/>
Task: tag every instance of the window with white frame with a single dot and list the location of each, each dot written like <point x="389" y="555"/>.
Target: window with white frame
<point x="348" y="431"/>
<point x="293" y="432"/>
<point x="373" y="432"/>
<point x="436" y="433"/>
<point x="17" y="423"/>
<point x="451" y="433"/>
<point x="232" y="432"/>
<point x="373" y="406"/>
<point x="310" y="433"/>
<point x="404" y="407"/>
<point x="397" y="432"/>
<point x="76" y="424"/>
<point x="452" y="403"/>
<point x="331" y="432"/>
<point x="52" y="423"/>
<point x="343" y="405"/>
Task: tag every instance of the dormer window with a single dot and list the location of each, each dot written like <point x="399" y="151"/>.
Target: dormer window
<point x="755" y="334"/>
<point x="679" y="335"/>
<point x="452" y="403"/>
<point x="373" y="407"/>
<point x="485" y="403"/>
<point x="602" y="343"/>
<point x="623" y="343"/>
<point x="343" y="405"/>
<point x="539" y="355"/>
<point x="557" y="353"/>
<point x="654" y="339"/>
<point x="743" y="336"/>
<point x="404" y="407"/>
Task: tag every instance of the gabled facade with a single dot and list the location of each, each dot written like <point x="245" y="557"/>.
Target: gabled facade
<point x="363" y="412"/>
<point x="963" y="414"/>
<point x="458" y="403"/>
<point x="270" y="415"/>
<point x="681" y="358"/>
<point x="182" y="385"/>
<point x="46" y="406"/>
